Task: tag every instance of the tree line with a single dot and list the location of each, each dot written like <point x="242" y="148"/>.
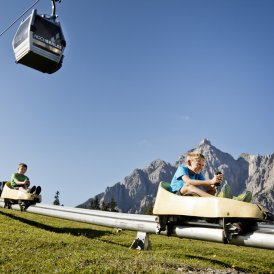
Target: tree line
<point x="94" y="203"/>
<point x="111" y="206"/>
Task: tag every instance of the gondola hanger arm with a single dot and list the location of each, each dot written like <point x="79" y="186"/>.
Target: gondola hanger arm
<point x="54" y="7"/>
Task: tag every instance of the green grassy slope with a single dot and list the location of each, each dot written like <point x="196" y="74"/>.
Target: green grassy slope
<point x="32" y="243"/>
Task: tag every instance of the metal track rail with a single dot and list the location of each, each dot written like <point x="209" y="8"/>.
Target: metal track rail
<point x="263" y="237"/>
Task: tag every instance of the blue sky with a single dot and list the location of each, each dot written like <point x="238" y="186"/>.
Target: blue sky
<point x="141" y="80"/>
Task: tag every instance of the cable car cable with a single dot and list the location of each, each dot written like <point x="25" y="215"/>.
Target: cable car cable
<point x="3" y="32"/>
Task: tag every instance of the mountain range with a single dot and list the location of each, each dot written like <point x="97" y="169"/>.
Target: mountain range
<point x="138" y="190"/>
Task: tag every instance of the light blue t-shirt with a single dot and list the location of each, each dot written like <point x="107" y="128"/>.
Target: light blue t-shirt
<point x="177" y="182"/>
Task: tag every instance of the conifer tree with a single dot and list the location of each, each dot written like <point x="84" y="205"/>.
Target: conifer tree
<point x="112" y="205"/>
<point x="94" y="203"/>
<point x="104" y="206"/>
<point x="56" y="198"/>
<point x="148" y="210"/>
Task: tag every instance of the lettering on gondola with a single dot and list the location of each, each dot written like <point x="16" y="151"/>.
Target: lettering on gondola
<point x="47" y="41"/>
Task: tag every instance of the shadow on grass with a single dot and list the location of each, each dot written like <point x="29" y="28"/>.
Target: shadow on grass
<point x="86" y="232"/>
<point x="218" y="263"/>
<point x="115" y="243"/>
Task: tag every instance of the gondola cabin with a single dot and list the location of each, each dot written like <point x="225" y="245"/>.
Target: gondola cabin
<point x="39" y="43"/>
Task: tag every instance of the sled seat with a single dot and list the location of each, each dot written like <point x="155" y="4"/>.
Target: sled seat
<point x="166" y="185"/>
<point x="7" y="183"/>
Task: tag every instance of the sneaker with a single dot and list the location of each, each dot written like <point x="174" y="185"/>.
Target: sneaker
<point x="225" y="192"/>
<point x="244" y="197"/>
<point x="38" y="190"/>
<point x="31" y="190"/>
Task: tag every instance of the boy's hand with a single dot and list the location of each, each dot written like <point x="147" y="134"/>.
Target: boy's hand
<point x="27" y="182"/>
<point x="211" y="189"/>
<point x="217" y="179"/>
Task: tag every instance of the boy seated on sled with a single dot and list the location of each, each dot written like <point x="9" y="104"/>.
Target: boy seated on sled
<point x="21" y="182"/>
<point x="189" y="180"/>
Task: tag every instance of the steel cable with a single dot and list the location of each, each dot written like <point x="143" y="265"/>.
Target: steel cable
<point x="3" y="32"/>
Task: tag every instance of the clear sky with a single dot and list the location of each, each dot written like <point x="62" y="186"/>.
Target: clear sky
<point x="141" y="80"/>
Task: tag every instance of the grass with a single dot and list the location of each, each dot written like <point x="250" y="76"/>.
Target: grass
<point x="32" y="243"/>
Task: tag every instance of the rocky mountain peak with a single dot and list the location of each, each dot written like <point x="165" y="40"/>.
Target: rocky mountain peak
<point x="205" y="142"/>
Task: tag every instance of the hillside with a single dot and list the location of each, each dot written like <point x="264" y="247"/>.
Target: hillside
<point x="32" y="243"/>
<point x="138" y="190"/>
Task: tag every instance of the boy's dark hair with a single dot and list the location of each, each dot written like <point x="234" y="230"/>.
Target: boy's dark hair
<point x="23" y="165"/>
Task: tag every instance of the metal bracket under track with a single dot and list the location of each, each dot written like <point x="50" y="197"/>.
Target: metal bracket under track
<point x="141" y="241"/>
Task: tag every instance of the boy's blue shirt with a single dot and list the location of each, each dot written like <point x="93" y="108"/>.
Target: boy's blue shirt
<point x="177" y="182"/>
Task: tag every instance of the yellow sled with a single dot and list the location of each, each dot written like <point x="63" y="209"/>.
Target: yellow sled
<point x="15" y="196"/>
<point x="168" y="203"/>
<point x="235" y="217"/>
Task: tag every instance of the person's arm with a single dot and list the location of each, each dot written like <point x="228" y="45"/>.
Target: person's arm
<point x="19" y="183"/>
<point x="205" y="183"/>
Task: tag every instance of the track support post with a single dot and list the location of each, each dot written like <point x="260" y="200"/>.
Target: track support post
<point x="141" y="241"/>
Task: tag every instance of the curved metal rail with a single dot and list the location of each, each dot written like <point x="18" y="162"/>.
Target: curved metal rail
<point x="262" y="237"/>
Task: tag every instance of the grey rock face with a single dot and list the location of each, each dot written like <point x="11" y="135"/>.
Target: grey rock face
<point x="140" y="187"/>
<point x="138" y="190"/>
<point x="260" y="180"/>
